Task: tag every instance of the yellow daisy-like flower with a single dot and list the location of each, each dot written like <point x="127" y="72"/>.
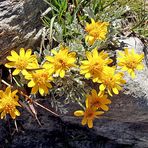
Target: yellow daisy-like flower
<point x="93" y="67"/>
<point x="96" y="101"/>
<point x="130" y="61"/>
<point x="111" y="81"/>
<point x="96" y="31"/>
<point x="88" y="115"/>
<point x="40" y="80"/>
<point x="62" y="61"/>
<point x="22" y="62"/>
<point x="8" y="103"/>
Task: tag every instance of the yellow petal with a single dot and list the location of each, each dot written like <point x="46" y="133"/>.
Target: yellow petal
<point x="8" y="90"/>
<point x="87" y="75"/>
<point x="95" y="53"/>
<point x="16" y="72"/>
<point x="87" y="102"/>
<point x="102" y="87"/>
<point x="88" y="55"/>
<point x="109" y="92"/>
<point x="49" y="85"/>
<point x="99" y="112"/>
<point x="115" y="90"/>
<point x="104" y="107"/>
<point x="84" y="71"/>
<point x="121" y="53"/>
<point x="28" y="53"/>
<point x="85" y="62"/>
<point x="50" y="59"/>
<point x="72" y="54"/>
<point x="17" y="112"/>
<point x="34" y="89"/>
<point x="62" y="73"/>
<point x="41" y="91"/>
<point x="22" y="52"/>
<point x="79" y="113"/>
<point x="101" y="93"/>
<point x="12" y="114"/>
<point x="3" y="114"/>
<point x="31" y="84"/>
<point x="95" y="80"/>
<point x="10" y="64"/>
<point x="133" y="74"/>
<point x="24" y="72"/>
<point x="84" y="121"/>
<point x="94" y="93"/>
<point x="92" y="21"/>
<point x="140" y="67"/>
<point x="58" y="71"/>
<point x="10" y="58"/>
<point x="14" y="93"/>
<point x="107" y="101"/>
<point x="126" y="51"/>
<point x="90" y="123"/>
<point x="124" y="68"/>
<point x="14" y="54"/>
<point x="45" y="88"/>
<point x="90" y="40"/>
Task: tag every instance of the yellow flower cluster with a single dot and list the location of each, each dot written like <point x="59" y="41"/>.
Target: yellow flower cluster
<point x="8" y="103"/>
<point x="96" y="68"/>
<point x="61" y="62"/>
<point x="23" y="62"/>
<point x="130" y="61"/>
<point x="40" y="77"/>
<point x="96" y="31"/>
<point x="93" y="105"/>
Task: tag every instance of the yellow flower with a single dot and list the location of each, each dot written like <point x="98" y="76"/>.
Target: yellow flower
<point x="62" y="61"/>
<point x="93" y="67"/>
<point x="8" y="103"/>
<point x="22" y="62"/>
<point x="111" y="81"/>
<point x="130" y="61"/>
<point x="97" y="101"/>
<point x="88" y="115"/>
<point x="96" y="31"/>
<point x="39" y="80"/>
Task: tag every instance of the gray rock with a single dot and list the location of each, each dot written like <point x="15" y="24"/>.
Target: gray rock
<point x="133" y="42"/>
<point x="127" y="120"/>
<point x="20" y="24"/>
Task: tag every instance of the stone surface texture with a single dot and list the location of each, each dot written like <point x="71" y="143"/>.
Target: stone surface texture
<point x="125" y="125"/>
<point x="20" y="24"/>
<point x="127" y="120"/>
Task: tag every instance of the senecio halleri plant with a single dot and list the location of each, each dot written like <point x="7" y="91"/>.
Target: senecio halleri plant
<point x="62" y="64"/>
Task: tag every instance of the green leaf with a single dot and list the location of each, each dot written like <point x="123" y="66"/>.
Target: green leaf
<point x="51" y="27"/>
